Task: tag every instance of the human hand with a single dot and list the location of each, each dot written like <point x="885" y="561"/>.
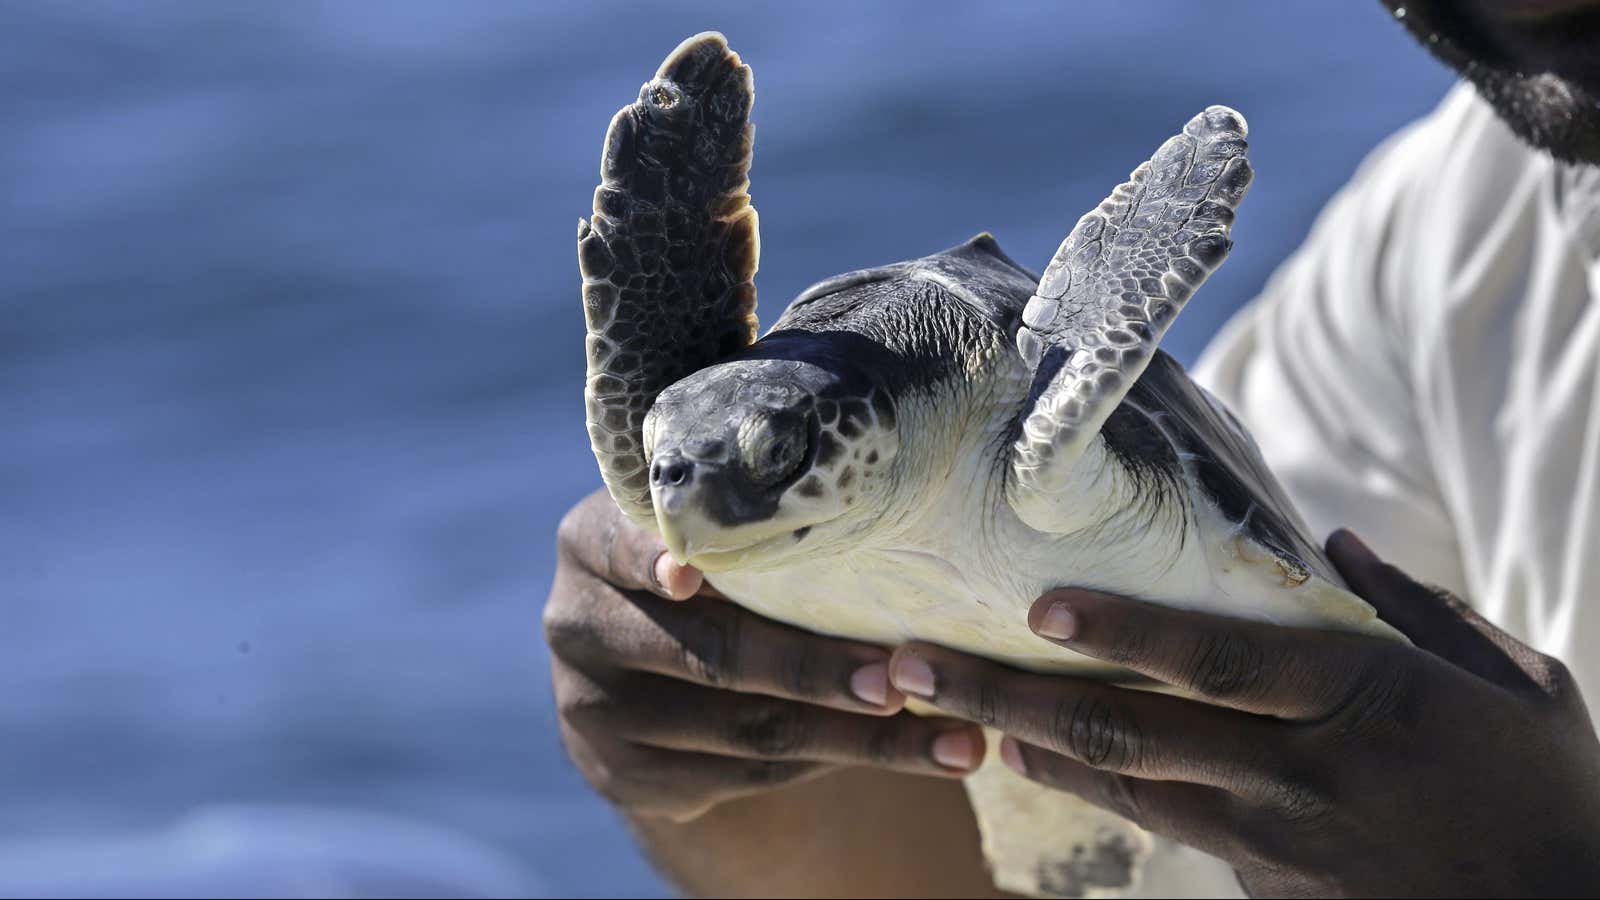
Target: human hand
<point x="1319" y="763"/>
<point x="670" y="703"/>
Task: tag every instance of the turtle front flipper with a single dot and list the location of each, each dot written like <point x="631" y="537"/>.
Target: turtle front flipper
<point x="669" y="256"/>
<point x="1108" y="295"/>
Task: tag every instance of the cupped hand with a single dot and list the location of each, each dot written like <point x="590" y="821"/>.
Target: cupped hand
<point x="1316" y="763"/>
<point x="671" y="700"/>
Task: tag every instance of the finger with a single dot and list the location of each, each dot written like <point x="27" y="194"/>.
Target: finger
<point x="717" y="779"/>
<point x="1292" y="673"/>
<point x="675" y="716"/>
<point x="707" y="589"/>
<point x="604" y="541"/>
<point x="1202" y="817"/>
<point x="1131" y="732"/>
<point x="1435" y="620"/>
<point x="724" y="646"/>
<point x="681" y="786"/>
<point x="675" y="580"/>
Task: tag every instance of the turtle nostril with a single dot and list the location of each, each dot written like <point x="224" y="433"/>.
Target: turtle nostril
<point x="671" y="472"/>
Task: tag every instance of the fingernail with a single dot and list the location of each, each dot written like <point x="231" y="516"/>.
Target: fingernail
<point x="1058" y="623"/>
<point x="870" y="683"/>
<point x="662" y="570"/>
<point x="662" y="573"/>
<point x="913" y="675"/>
<point x="1011" y="755"/>
<point x="955" y="750"/>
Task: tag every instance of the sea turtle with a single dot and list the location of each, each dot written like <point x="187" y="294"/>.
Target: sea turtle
<point x="917" y="451"/>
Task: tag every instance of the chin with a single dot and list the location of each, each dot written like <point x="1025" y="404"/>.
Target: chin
<point x="1541" y="76"/>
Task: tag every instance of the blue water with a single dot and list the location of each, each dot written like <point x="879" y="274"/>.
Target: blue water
<point x="290" y="354"/>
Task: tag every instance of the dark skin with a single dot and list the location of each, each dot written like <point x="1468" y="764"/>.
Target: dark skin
<point x="1315" y="763"/>
<point x="721" y="734"/>
<point x="1533" y="60"/>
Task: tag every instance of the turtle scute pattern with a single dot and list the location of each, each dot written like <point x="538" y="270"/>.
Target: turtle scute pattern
<point x="669" y="257"/>
<point x="1120" y="278"/>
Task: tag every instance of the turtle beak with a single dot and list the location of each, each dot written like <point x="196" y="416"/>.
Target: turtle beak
<point x="672" y="527"/>
<point x="677" y="486"/>
<point x="677" y="545"/>
<point x="691" y="499"/>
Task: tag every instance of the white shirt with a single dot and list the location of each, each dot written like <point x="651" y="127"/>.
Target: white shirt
<point x="1423" y="371"/>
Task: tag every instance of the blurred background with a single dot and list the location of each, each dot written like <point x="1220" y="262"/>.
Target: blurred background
<point x="290" y="371"/>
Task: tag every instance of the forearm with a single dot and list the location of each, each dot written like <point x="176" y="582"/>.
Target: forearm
<point x="852" y="833"/>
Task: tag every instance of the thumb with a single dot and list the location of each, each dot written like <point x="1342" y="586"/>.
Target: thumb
<point x="1434" y="619"/>
<point x="604" y="541"/>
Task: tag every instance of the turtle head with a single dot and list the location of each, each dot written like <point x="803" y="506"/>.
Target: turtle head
<point x="759" y="461"/>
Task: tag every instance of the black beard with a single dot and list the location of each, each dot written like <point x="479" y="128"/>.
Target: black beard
<point x="1550" y="111"/>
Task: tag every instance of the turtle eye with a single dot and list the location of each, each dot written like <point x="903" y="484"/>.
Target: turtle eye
<point x="772" y="447"/>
